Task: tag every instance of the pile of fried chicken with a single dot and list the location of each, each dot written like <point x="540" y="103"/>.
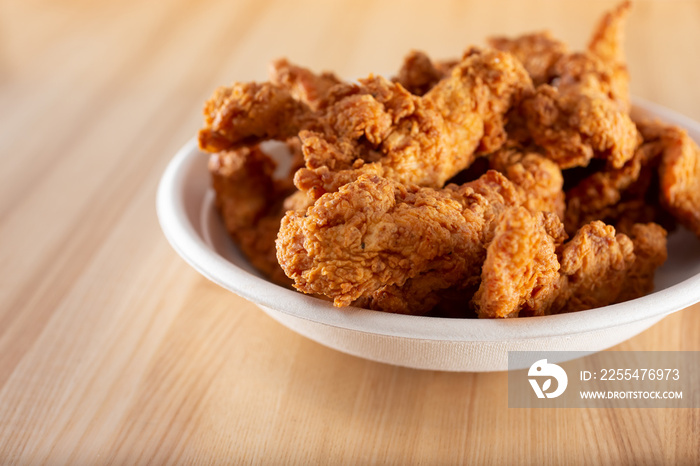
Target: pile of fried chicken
<point x="512" y="182"/>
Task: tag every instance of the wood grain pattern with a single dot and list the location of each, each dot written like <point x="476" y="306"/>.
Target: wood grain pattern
<point x="113" y="350"/>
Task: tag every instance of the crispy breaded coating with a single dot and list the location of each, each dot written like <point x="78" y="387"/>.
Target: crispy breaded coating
<point x="583" y="111"/>
<point x="680" y="178"/>
<point x="422" y="140"/>
<point x="243" y="174"/>
<point x="365" y="218"/>
<point x="303" y="84"/>
<point x="649" y="254"/>
<point x="248" y="198"/>
<point x="575" y="123"/>
<point x="319" y="181"/>
<point x="586" y="71"/>
<point x="376" y="233"/>
<point x="539" y="178"/>
<point x="554" y="227"/>
<point x="608" y="35"/>
<point x="521" y="270"/>
<point x="594" y="198"/>
<point x="622" y="196"/>
<point x="476" y="96"/>
<point x="298" y="200"/>
<point x="448" y="285"/>
<point x="597" y="255"/>
<point x="538" y="52"/>
<point x="594" y="266"/>
<point x="419" y="74"/>
<point x="426" y="293"/>
<point x="607" y="44"/>
<point x="314" y="183"/>
<point x="247" y="113"/>
<point x="353" y="125"/>
<point x="531" y="273"/>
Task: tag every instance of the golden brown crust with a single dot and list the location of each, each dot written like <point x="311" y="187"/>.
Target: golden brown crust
<point x="319" y="181"/>
<point x="587" y="71"/>
<point x="680" y="178"/>
<point x="243" y="174"/>
<point x="422" y="140"/>
<point x="419" y="74"/>
<point x="375" y="233"/>
<point x="369" y="221"/>
<point x="576" y="123"/>
<point x="622" y="196"/>
<point x="247" y="113"/>
<point x="520" y="270"/>
<point x="304" y="85"/>
<point x="581" y="111"/>
<point x="596" y="255"/>
<point x="539" y="178"/>
<point x="523" y="275"/>
<point x="248" y="198"/>
<point x="537" y="51"/>
<point x="649" y="254"/>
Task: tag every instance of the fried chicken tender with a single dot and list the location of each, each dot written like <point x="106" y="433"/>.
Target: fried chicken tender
<point x="538" y="52"/>
<point x="680" y="178"/>
<point x="422" y="140"/>
<point x="584" y="110"/>
<point x="432" y="290"/>
<point x="491" y="82"/>
<point x="626" y="266"/>
<point x="529" y="272"/>
<point x="596" y="255"/>
<point x="521" y="271"/>
<point x="248" y="113"/>
<point x="302" y="83"/>
<point x="248" y="198"/>
<point x="575" y="122"/>
<point x="374" y="234"/>
<point x="419" y="74"/>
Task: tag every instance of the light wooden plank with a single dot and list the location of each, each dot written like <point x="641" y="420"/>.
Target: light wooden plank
<point x="112" y="350"/>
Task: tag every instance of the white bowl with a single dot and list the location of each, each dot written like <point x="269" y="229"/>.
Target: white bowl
<point x="195" y="230"/>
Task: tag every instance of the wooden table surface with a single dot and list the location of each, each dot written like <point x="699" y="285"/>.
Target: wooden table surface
<point x="113" y="350"/>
